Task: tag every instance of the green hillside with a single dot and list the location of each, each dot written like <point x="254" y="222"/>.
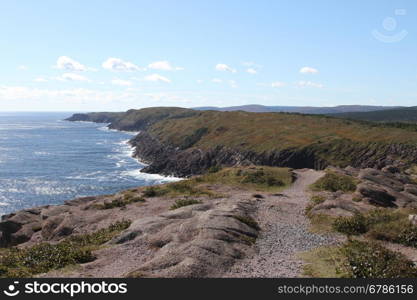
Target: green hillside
<point x="407" y="115"/>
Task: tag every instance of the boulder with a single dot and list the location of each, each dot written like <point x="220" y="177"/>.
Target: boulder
<point x="376" y="195"/>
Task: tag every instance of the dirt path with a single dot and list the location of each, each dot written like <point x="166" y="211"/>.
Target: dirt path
<point x="284" y="233"/>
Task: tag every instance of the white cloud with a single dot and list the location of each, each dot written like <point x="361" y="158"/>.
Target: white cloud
<point x="121" y="82"/>
<point x="216" y="80"/>
<point x="199" y="81"/>
<point x="157" y="78"/>
<point x="164" y="66"/>
<point x="252" y="71"/>
<point x="308" y="70"/>
<point x="22" y="68"/>
<point x="117" y="64"/>
<point x="73" y="77"/>
<point x="40" y="79"/>
<point x="66" y="63"/>
<point x="310" y="84"/>
<point x="277" y="84"/>
<point x="224" y="67"/>
<point x="233" y="84"/>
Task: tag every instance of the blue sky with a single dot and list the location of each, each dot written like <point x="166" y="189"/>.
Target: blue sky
<point x="115" y="55"/>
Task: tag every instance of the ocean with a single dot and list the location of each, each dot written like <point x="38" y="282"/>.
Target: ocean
<point x="46" y="160"/>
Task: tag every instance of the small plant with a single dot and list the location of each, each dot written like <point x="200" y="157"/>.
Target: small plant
<point x="335" y="182"/>
<point x="351" y="225"/>
<point x="184" y="202"/>
<point x="128" y="198"/>
<point x="248" y="221"/>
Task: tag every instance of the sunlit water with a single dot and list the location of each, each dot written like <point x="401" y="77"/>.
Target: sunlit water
<point x="44" y="160"/>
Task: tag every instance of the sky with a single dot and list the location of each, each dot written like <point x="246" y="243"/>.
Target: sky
<point x="100" y="55"/>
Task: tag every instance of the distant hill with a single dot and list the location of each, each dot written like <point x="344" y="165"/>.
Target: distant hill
<point x="406" y="115"/>
<point x="300" y="109"/>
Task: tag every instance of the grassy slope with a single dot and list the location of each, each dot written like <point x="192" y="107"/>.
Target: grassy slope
<point x="408" y="114"/>
<point x="273" y="131"/>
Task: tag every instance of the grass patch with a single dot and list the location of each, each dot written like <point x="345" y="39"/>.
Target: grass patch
<point x="184" y="188"/>
<point x="41" y="258"/>
<point x="334" y="182"/>
<point x="355" y="225"/>
<point x="248" y="221"/>
<point x="357" y="259"/>
<point x="321" y="223"/>
<point x="261" y="178"/>
<point x="324" y="262"/>
<point x="126" y="199"/>
<point x="184" y="202"/>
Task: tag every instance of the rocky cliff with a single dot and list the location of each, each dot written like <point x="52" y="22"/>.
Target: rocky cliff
<point x="183" y="142"/>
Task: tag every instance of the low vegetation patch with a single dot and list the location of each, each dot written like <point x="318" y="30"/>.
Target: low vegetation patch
<point x="380" y="224"/>
<point x="357" y="259"/>
<point x="184" y="188"/>
<point x="41" y="258"/>
<point x="370" y="260"/>
<point x="126" y="199"/>
<point x="259" y="178"/>
<point x="184" y="202"/>
<point x="334" y="182"/>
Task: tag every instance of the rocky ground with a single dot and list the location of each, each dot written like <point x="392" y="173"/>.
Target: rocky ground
<point x="214" y="238"/>
<point x="285" y="233"/>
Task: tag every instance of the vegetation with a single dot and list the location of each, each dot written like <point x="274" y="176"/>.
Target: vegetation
<point x="357" y="259"/>
<point x="380" y="224"/>
<point x="41" y="258"/>
<point x="248" y="221"/>
<point x="183" y="188"/>
<point x="258" y="178"/>
<point x="397" y="116"/>
<point x="126" y="199"/>
<point x="334" y="182"/>
<point x="184" y="202"/>
<point x="370" y="260"/>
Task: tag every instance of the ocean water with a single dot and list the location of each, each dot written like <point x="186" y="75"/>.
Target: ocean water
<point x="45" y="160"/>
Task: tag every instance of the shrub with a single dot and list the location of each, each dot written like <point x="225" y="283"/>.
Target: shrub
<point x="41" y="258"/>
<point x="335" y="182"/>
<point x="351" y="225"/>
<point x="128" y="198"/>
<point x="154" y="191"/>
<point x="370" y="260"/>
<point x="184" y="202"/>
<point x="248" y="221"/>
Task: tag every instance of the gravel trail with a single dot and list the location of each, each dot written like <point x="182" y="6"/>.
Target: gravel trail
<point x="284" y="233"/>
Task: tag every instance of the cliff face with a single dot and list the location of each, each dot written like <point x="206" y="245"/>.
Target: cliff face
<point x="183" y="142"/>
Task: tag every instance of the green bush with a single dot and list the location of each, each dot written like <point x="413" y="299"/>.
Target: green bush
<point x="260" y="177"/>
<point x="214" y="169"/>
<point x="370" y="260"/>
<point x="184" y="202"/>
<point x="335" y="182"/>
<point x="41" y="258"/>
<point x="121" y="202"/>
<point x="351" y="225"/>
